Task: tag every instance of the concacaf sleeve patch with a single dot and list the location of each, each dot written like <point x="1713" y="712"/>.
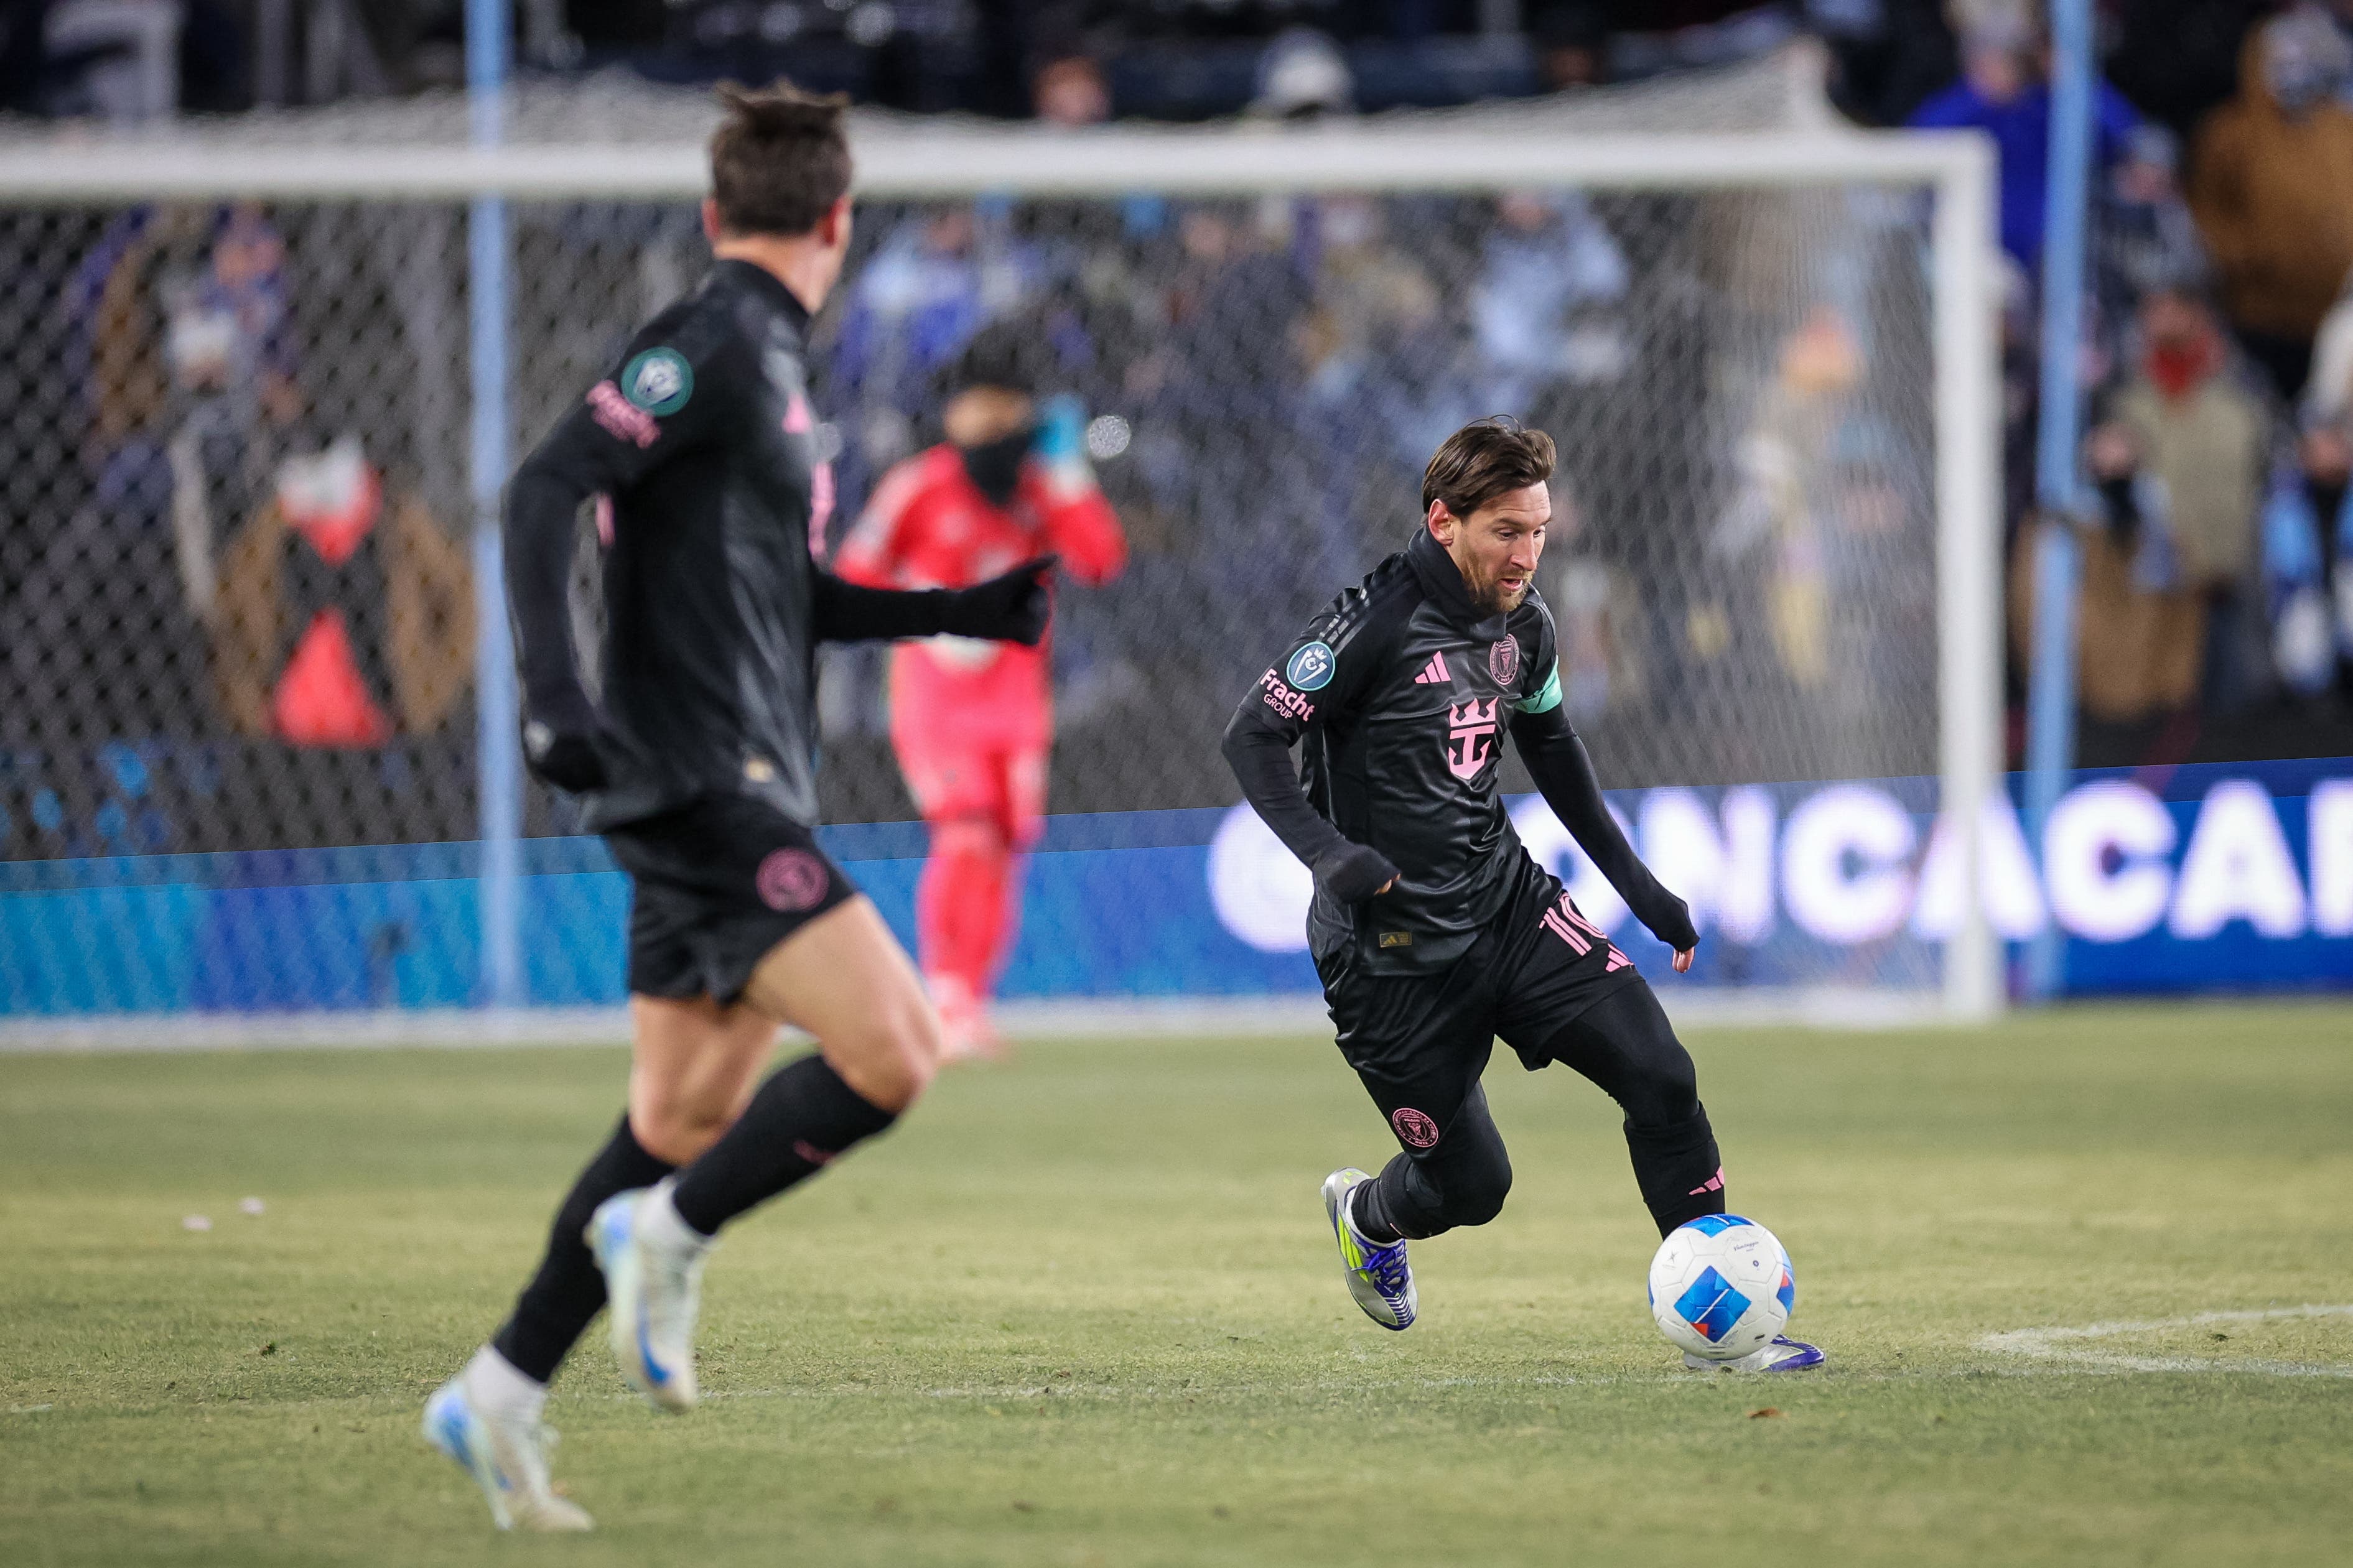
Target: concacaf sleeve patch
<point x="658" y="380"/>
<point x="1311" y="669"/>
<point x="1547" y="700"/>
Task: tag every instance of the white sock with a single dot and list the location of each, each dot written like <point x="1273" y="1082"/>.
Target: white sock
<point x="496" y="1385"/>
<point x="658" y="1222"/>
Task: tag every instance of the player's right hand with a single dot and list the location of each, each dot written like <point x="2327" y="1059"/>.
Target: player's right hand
<point x="561" y="747"/>
<point x="1355" y="872"/>
<point x="1010" y="607"/>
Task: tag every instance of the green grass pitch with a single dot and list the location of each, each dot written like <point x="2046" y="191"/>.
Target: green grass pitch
<point x="1082" y="1310"/>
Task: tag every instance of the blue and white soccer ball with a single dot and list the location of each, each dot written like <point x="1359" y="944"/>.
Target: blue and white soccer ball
<point x="1721" y="1287"/>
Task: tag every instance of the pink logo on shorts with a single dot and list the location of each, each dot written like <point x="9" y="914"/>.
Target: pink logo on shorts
<point x="791" y="880"/>
<point x="1504" y="661"/>
<point x="1414" y="1127"/>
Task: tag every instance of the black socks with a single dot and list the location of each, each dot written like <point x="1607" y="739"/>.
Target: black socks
<point x="801" y="1119"/>
<point x="1678" y="1169"/>
<point x="1365" y="1212"/>
<point x="556" y="1309"/>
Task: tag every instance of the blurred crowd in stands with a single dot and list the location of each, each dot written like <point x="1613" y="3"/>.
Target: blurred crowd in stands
<point x="320" y="600"/>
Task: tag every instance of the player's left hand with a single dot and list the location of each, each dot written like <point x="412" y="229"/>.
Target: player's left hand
<point x="1683" y="960"/>
<point x="1009" y="608"/>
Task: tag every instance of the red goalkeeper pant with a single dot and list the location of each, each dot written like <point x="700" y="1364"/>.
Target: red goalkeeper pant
<point x="984" y="805"/>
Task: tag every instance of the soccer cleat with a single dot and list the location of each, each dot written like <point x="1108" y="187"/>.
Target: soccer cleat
<point x="506" y="1458"/>
<point x="654" y="1291"/>
<point x="967" y="1035"/>
<point x="1782" y="1354"/>
<point x="1378" y="1277"/>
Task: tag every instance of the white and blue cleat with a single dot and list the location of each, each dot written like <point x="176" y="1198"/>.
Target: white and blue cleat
<point x="654" y="1289"/>
<point x="506" y="1458"/>
<point x="1378" y="1277"/>
<point x="1780" y="1353"/>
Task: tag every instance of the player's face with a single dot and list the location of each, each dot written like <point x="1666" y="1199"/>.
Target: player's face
<point x="1496" y="548"/>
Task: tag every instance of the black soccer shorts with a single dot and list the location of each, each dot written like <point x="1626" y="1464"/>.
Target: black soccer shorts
<point x="1419" y="1042"/>
<point x="715" y="885"/>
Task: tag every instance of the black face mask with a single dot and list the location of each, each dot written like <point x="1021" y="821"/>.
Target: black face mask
<point x="996" y="466"/>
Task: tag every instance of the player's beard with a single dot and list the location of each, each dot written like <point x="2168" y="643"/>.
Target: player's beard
<point x="1490" y="597"/>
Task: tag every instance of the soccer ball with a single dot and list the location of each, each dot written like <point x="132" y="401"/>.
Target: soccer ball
<point x="1721" y="1287"/>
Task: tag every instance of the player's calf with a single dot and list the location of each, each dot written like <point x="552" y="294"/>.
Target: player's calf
<point x="1678" y="1169"/>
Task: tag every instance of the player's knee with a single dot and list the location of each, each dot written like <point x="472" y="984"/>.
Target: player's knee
<point x="1475" y="1193"/>
<point x="675" y="1126"/>
<point x="1665" y="1092"/>
<point x="891" y="1057"/>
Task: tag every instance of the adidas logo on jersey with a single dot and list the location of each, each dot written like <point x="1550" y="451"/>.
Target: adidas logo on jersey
<point x="1434" y="673"/>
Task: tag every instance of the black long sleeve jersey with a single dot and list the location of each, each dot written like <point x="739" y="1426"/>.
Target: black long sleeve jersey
<point x="701" y="438"/>
<point x="1403" y="690"/>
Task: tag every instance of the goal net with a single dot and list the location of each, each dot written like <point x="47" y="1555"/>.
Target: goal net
<point x="243" y="759"/>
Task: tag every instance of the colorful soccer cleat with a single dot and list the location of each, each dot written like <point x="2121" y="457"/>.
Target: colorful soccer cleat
<point x="654" y="1289"/>
<point x="506" y="1458"/>
<point x="966" y="1034"/>
<point x="1378" y="1277"/>
<point x="1781" y="1353"/>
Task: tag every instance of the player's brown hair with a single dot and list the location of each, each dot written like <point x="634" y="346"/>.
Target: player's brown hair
<point x="779" y="158"/>
<point x="1485" y="458"/>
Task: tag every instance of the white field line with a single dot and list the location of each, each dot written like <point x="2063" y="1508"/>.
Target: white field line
<point x="2049" y="1345"/>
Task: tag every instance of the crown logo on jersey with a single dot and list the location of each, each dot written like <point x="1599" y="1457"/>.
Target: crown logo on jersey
<point x="1434" y="673"/>
<point x="1469" y="737"/>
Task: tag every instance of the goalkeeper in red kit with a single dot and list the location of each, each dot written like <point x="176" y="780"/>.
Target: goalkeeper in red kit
<point x="972" y="721"/>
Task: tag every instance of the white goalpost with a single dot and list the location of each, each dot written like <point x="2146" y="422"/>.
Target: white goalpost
<point x="1769" y="355"/>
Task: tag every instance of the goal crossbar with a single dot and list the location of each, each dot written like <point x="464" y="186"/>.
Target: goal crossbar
<point x="1228" y="161"/>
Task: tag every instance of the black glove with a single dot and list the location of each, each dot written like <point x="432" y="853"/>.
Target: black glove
<point x="1670" y="922"/>
<point x="560" y="743"/>
<point x="1010" y="608"/>
<point x="1353" y="873"/>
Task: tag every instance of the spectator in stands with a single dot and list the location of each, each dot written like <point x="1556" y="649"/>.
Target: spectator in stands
<point x="2142" y="238"/>
<point x="2005" y="91"/>
<point x="2328" y="389"/>
<point x="2308" y="560"/>
<point x="1773" y="535"/>
<point x="2182" y="420"/>
<point x="1377" y="338"/>
<point x="1069" y="89"/>
<point x="189" y="377"/>
<point x="347" y="616"/>
<point x="1304" y="76"/>
<point x="2308" y="524"/>
<point x="1572" y="44"/>
<point x="1541" y="310"/>
<point x="2270" y="182"/>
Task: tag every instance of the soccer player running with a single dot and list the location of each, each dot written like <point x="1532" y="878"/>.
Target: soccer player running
<point x="972" y="721"/>
<point x="700" y="771"/>
<point x="1432" y="929"/>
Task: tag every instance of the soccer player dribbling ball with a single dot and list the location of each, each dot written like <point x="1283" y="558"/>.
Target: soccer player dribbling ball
<point x="700" y="771"/>
<point x="972" y="721"/>
<point x="1433" y="930"/>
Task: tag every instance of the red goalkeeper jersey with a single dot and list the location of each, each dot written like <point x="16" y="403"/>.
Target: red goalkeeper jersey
<point x="928" y="526"/>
